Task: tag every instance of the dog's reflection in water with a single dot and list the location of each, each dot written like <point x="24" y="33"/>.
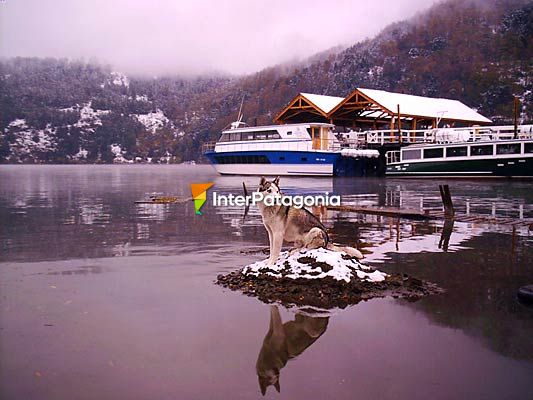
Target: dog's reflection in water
<point x="284" y="341"/>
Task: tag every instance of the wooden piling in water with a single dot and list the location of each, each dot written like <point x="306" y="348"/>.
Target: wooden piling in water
<point x="446" y="198"/>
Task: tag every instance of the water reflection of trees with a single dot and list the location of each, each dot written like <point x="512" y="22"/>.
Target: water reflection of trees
<point x="481" y="283"/>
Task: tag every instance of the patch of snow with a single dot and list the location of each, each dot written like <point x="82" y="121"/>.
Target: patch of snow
<point x="424" y="106"/>
<point x="120" y="79"/>
<point x="325" y="103"/>
<point x="342" y="269"/>
<point x="89" y="116"/>
<point x="18" y="123"/>
<point x="68" y="109"/>
<point x="29" y="140"/>
<point x="82" y="153"/>
<point x="153" y="120"/>
<point x="116" y="149"/>
<point x="119" y="154"/>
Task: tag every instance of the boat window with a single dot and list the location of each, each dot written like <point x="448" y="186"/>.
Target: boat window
<point x="528" y="147"/>
<point x="411" y="154"/>
<point x="481" y="150"/>
<point x="434" y="153"/>
<point x="261" y="135"/>
<point x="456" y="151"/>
<point x="289" y="133"/>
<point x="254" y="135"/>
<point x="273" y="135"/>
<point x="509" y="148"/>
<point x="244" y="159"/>
<point x="234" y="136"/>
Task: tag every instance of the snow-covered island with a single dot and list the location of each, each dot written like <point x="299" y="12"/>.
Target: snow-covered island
<point x="316" y="264"/>
<point x="321" y="278"/>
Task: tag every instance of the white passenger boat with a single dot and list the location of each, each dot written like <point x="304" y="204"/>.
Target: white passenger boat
<point x="311" y="149"/>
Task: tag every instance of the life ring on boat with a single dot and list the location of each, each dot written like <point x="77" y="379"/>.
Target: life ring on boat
<point x="525" y="294"/>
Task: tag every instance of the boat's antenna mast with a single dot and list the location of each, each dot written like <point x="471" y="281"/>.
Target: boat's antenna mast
<point x="238" y="123"/>
<point x="440" y="115"/>
<point x="240" y="115"/>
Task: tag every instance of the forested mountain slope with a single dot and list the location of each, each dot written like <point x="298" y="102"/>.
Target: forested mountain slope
<point x="479" y="52"/>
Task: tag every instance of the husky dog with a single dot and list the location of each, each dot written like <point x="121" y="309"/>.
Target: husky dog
<point x="295" y="225"/>
<point x="284" y="341"/>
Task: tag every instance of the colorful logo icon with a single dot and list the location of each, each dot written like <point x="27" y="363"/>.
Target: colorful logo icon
<point x="199" y="195"/>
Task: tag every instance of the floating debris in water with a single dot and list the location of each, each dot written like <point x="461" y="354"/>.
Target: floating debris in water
<point x="164" y="200"/>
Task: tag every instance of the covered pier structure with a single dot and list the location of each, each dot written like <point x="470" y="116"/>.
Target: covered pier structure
<point x="380" y="120"/>
<point x="371" y="109"/>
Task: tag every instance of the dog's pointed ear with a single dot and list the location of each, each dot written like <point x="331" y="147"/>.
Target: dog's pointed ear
<point x="276" y="181"/>
<point x="276" y="385"/>
<point x="262" y="181"/>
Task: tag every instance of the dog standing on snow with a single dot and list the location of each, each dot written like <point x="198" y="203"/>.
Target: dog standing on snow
<point x="294" y="225"/>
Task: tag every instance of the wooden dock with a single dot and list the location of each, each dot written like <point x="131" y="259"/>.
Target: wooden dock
<point x="448" y="213"/>
<point x="388" y="212"/>
<point x="435" y="215"/>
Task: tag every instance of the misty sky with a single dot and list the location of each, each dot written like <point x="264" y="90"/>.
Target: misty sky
<point x="190" y="37"/>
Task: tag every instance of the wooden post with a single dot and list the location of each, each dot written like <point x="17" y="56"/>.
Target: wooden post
<point x="399" y="125"/>
<point x="446" y="200"/>
<point x="447" y="230"/>
<point x="398" y="234"/>
<point x="516" y="103"/>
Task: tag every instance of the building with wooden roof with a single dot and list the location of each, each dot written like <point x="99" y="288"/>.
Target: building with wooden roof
<point x="378" y="109"/>
<point x="307" y="107"/>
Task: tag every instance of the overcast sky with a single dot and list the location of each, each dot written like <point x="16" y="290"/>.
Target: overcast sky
<point x="187" y="37"/>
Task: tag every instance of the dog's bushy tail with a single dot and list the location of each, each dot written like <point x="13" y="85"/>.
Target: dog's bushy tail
<point x="351" y="251"/>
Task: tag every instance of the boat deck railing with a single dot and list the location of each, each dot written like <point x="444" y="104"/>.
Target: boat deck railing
<point x="209" y="146"/>
<point x="392" y="157"/>
<point x="302" y="145"/>
<point x="358" y="140"/>
<point x="444" y="135"/>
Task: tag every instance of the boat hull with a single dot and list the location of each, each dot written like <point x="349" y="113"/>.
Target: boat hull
<point x="288" y="163"/>
<point x="510" y="167"/>
<point x="274" y="169"/>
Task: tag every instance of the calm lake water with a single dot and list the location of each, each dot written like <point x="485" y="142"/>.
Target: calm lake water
<point x="103" y="298"/>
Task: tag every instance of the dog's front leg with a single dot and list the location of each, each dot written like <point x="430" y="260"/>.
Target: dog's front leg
<point x="270" y="239"/>
<point x="277" y="242"/>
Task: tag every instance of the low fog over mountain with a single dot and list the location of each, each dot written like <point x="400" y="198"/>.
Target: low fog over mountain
<point x="60" y="110"/>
